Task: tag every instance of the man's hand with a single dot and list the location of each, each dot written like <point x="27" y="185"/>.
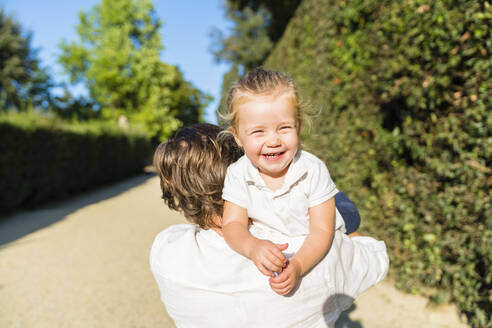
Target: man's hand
<point x="268" y="257"/>
<point x="287" y="280"/>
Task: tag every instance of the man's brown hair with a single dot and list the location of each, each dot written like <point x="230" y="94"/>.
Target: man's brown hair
<point x="192" y="167"/>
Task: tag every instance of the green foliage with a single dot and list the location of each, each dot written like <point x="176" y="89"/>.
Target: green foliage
<point x="73" y="108"/>
<point x="248" y="43"/>
<point x="280" y="12"/>
<point x="22" y="81"/>
<point x="404" y="94"/>
<point x="256" y="26"/>
<point x="227" y="80"/>
<point x="117" y="58"/>
<point x="45" y="158"/>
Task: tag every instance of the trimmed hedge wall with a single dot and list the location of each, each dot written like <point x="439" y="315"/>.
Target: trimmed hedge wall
<point x="39" y="162"/>
<point x="403" y="91"/>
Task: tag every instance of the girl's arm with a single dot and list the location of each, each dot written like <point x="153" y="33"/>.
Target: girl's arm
<point x="320" y="237"/>
<point x="267" y="256"/>
<point x="315" y="246"/>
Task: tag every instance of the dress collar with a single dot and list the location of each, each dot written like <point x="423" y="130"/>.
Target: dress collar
<point x="297" y="170"/>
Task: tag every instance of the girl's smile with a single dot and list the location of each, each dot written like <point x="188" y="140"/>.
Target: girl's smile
<point x="273" y="156"/>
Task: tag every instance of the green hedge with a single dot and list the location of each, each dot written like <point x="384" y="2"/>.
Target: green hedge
<point x="44" y="160"/>
<point x="404" y="91"/>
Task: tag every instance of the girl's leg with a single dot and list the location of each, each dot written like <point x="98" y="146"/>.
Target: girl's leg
<point x="349" y="212"/>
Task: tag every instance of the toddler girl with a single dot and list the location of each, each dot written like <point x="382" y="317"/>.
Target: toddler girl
<point x="280" y="187"/>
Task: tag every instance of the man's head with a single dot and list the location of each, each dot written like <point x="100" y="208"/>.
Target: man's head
<point x="192" y="166"/>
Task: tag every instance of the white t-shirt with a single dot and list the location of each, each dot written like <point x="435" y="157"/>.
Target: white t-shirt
<point x="204" y="283"/>
<point x="307" y="184"/>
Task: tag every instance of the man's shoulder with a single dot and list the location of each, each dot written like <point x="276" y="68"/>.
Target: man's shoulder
<point x="173" y="232"/>
<point x="168" y="242"/>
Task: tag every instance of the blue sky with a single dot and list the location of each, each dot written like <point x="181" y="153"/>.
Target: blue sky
<point x="185" y="35"/>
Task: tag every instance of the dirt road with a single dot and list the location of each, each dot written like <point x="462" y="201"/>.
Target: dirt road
<point x="84" y="263"/>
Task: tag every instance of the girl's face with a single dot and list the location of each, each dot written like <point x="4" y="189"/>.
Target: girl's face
<point x="267" y="131"/>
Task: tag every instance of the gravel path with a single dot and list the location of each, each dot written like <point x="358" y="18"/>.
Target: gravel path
<point x="84" y="263"/>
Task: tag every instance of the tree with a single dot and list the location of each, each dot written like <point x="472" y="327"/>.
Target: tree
<point x="248" y="43"/>
<point x="227" y="80"/>
<point x="78" y="108"/>
<point x="117" y="59"/>
<point x="22" y="81"/>
<point x="280" y="13"/>
<point x="246" y="47"/>
<point x="257" y="26"/>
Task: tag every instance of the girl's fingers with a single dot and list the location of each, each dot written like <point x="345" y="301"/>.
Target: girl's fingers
<point x="282" y="291"/>
<point x="282" y="247"/>
<point x="274" y="268"/>
<point x="282" y="280"/>
<point x="275" y="263"/>
<point x="279" y="286"/>
<point x="275" y="259"/>
<point x="264" y="270"/>
<point x="279" y="256"/>
<point x="282" y="277"/>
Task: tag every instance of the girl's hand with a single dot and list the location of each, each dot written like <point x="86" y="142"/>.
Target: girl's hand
<point x="287" y="280"/>
<point x="268" y="257"/>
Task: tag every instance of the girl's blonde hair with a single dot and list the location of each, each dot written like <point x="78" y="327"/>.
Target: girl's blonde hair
<point x="260" y="83"/>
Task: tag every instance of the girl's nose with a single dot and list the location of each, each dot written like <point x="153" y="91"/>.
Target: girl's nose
<point x="273" y="140"/>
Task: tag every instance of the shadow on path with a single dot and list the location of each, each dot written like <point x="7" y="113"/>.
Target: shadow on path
<point x="345" y="322"/>
<point x="336" y="301"/>
<point x="21" y="223"/>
